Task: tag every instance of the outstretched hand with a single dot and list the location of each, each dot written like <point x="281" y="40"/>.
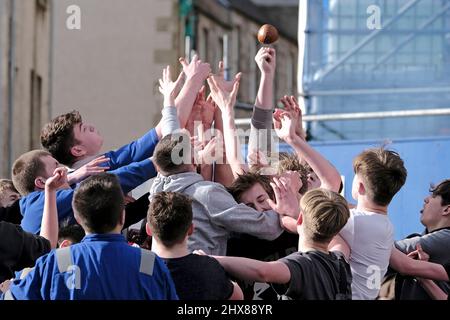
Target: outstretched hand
<point x="221" y="93"/>
<point x="196" y="68"/>
<point x="292" y="106"/>
<point x="92" y="168"/>
<point x="168" y="88"/>
<point x="286" y="202"/>
<point x="284" y="125"/>
<point x="58" y="179"/>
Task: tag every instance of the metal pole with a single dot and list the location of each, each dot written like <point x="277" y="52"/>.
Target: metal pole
<point x="2" y="122"/>
<point x="11" y="79"/>
<point x="226" y="64"/>
<point x="377" y="91"/>
<point x="367" y="115"/>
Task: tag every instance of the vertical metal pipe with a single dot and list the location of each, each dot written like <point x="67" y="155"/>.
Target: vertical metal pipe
<point x="11" y="79"/>
<point x="2" y="122"/>
<point x="226" y="63"/>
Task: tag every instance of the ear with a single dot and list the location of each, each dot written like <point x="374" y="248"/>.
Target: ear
<point x="191" y="230"/>
<point x="78" y="151"/>
<point x="39" y="183"/>
<point x="65" y="243"/>
<point x="361" y="189"/>
<point x="300" y="219"/>
<point x="447" y="210"/>
<point x="148" y="230"/>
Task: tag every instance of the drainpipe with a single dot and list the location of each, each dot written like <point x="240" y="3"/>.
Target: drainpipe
<point x="11" y="79"/>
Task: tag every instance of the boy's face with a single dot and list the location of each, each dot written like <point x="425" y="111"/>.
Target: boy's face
<point x="90" y="140"/>
<point x="433" y="211"/>
<point x="256" y="198"/>
<point x="313" y="181"/>
<point x="8" y="197"/>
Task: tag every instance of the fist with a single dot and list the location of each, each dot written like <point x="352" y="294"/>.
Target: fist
<point x="267" y="34"/>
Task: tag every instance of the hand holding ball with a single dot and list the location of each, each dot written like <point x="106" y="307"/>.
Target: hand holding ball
<point x="267" y="34"/>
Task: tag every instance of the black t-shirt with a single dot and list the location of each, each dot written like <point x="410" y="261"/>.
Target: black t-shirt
<point x="243" y="245"/>
<point x="19" y="249"/>
<point x="199" y="278"/>
<point x="316" y="275"/>
<point x="11" y="214"/>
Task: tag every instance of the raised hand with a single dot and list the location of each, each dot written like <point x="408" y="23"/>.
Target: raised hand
<point x="89" y="169"/>
<point x="168" y="88"/>
<point x="220" y="93"/>
<point x="292" y="106"/>
<point x="286" y="202"/>
<point x="196" y="69"/>
<point x="266" y="60"/>
<point x="284" y="126"/>
<point x="58" y="179"/>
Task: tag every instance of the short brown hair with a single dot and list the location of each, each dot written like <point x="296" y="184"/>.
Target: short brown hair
<point x="172" y="153"/>
<point x="7" y="185"/>
<point x="324" y="213"/>
<point x="290" y="162"/>
<point x="383" y="173"/>
<point x="169" y="217"/>
<point x="246" y="181"/>
<point x="443" y="190"/>
<point x="58" y="137"/>
<point x="99" y="202"/>
<point x="26" y="169"/>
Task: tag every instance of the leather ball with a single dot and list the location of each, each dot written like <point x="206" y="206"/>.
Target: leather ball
<point x="267" y="34"/>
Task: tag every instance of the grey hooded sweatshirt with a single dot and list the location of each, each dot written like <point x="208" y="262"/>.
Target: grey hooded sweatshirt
<point x="216" y="213"/>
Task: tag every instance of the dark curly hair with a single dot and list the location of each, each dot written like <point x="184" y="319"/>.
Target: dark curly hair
<point x="57" y="137"/>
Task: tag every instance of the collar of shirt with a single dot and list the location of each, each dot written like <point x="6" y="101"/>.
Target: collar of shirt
<point x="109" y="237"/>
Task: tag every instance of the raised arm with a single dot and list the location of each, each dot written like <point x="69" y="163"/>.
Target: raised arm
<point x="261" y="123"/>
<point x="49" y="224"/>
<point x="196" y="73"/>
<point x="254" y="270"/>
<point x="225" y="98"/>
<point x="327" y="173"/>
<point x="169" y="89"/>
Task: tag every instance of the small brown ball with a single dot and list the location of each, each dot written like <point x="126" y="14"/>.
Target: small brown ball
<point x="267" y="34"/>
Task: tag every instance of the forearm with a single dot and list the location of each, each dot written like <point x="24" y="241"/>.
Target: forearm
<point x="417" y="268"/>
<point x="433" y="289"/>
<point x="49" y="225"/>
<point x="231" y="141"/>
<point x="264" y="98"/>
<point x="169" y="121"/>
<point x="289" y="224"/>
<point x="327" y="173"/>
<point x="185" y="100"/>
<point x="243" y="268"/>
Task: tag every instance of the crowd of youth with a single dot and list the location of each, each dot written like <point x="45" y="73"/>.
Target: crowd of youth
<point x="213" y="226"/>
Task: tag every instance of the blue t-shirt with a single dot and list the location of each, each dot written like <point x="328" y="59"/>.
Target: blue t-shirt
<point x="32" y="205"/>
<point x="103" y="267"/>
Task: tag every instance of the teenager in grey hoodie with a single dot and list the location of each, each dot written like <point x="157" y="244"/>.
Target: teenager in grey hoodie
<point x="216" y="213"/>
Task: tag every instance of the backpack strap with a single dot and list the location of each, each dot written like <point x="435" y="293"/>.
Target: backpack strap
<point x="147" y="262"/>
<point x="63" y="259"/>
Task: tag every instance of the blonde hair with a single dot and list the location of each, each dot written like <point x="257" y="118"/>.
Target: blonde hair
<point x="325" y="213"/>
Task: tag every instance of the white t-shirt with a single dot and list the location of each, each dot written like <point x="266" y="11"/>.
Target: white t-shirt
<point x="370" y="236"/>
